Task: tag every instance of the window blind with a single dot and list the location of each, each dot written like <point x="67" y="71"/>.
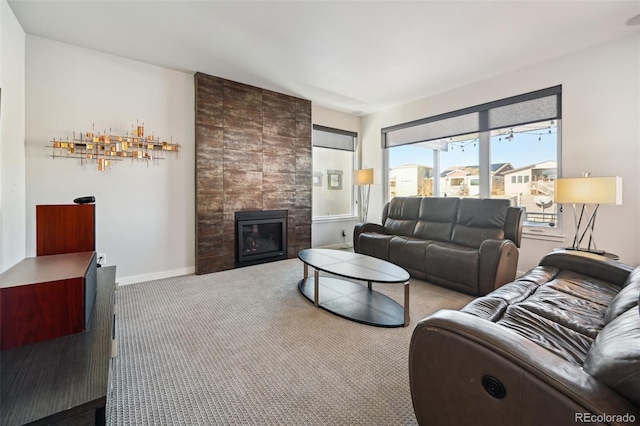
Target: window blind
<point x="327" y="137"/>
<point x="518" y="110"/>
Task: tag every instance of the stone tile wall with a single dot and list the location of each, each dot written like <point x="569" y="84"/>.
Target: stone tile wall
<point x="253" y="152"/>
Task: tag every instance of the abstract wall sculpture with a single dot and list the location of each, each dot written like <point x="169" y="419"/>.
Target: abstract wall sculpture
<point x="105" y="148"/>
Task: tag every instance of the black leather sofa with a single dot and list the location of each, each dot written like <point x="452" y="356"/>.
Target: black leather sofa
<point x="466" y="244"/>
<point x="559" y="345"/>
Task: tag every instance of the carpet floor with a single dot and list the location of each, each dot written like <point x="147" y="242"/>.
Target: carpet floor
<point x="244" y="347"/>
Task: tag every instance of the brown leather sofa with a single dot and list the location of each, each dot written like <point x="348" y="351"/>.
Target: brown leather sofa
<point x="558" y="346"/>
<point x="466" y="244"/>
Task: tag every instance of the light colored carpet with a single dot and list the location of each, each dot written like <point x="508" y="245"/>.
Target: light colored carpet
<point x="245" y="347"/>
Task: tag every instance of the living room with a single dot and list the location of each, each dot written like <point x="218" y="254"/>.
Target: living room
<point x="69" y="88"/>
<point x="146" y="214"/>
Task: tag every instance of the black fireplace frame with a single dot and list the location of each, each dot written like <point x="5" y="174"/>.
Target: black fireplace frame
<point x="257" y="217"/>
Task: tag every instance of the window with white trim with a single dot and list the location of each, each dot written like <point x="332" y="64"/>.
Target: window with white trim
<point x="504" y="149"/>
<point x="333" y="165"/>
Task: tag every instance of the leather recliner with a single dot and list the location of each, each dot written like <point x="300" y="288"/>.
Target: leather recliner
<point x="559" y="345"/>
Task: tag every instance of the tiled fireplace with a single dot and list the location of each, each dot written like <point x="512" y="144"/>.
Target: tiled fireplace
<point x="253" y="152"/>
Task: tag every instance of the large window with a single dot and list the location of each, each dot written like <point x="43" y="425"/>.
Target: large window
<point x="333" y="165"/>
<point x="504" y="149"/>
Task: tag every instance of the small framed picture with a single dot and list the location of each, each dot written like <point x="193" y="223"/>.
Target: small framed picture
<point x="334" y="179"/>
<point x="317" y="178"/>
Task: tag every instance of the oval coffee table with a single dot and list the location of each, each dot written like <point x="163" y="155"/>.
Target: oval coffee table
<point x="349" y="299"/>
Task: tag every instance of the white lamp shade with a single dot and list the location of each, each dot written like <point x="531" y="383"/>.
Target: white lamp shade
<point x="363" y="177"/>
<point x="589" y="190"/>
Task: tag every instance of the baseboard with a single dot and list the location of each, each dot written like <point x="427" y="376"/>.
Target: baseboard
<point x="342" y="246"/>
<point x="156" y="276"/>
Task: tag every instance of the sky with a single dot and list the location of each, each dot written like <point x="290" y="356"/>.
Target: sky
<point x="523" y="150"/>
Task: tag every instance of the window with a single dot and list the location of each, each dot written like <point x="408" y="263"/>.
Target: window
<point x="459" y="169"/>
<point x="411" y="171"/>
<point x="530" y="153"/>
<point x="333" y="161"/>
<point x="503" y="149"/>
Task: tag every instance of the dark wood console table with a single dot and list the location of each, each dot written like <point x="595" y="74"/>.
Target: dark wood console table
<point x="62" y="380"/>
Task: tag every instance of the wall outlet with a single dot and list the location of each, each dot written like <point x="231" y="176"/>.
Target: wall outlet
<point x="102" y="259"/>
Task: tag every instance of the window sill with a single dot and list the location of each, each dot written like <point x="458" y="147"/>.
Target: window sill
<point x="329" y="219"/>
<point x="539" y="234"/>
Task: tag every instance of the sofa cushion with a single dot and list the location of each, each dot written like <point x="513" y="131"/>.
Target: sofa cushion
<point x="453" y="266"/>
<point x="402" y="216"/>
<point x="436" y="218"/>
<point x="614" y="357"/>
<point x="566" y="343"/>
<point x="374" y="244"/>
<point x="585" y="287"/>
<point x="581" y="315"/>
<point x="493" y="306"/>
<point x="409" y="253"/>
<point x="540" y="275"/>
<point x="479" y="220"/>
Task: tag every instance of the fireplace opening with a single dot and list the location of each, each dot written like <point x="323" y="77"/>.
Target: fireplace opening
<point x="261" y="236"/>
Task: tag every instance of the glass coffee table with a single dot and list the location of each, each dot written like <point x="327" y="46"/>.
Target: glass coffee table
<point x="349" y="299"/>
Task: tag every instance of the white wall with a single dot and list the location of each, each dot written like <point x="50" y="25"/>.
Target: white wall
<point x="600" y="133"/>
<point x="12" y="137"/>
<point x="144" y="215"/>
<point x="328" y="232"/>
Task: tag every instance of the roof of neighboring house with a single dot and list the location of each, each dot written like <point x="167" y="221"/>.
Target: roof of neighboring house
<point x="549" y="164"/>
<point x="501" y="167"/>
<point x="475" y="170"/>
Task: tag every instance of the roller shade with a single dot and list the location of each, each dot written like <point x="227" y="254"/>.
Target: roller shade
<point x="327" y="137"/>
<point x="527" y="108"/>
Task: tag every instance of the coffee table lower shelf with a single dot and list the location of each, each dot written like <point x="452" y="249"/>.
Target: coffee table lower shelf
<point x="354" y="302"/>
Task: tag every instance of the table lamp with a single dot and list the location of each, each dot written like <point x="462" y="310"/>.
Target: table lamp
<point x="363" y="178"/>
<point x="588" y="191"/>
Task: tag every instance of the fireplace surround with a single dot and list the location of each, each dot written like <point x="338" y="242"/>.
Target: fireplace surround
<point x="261" y="236"/>
<point x="253" y="152"/>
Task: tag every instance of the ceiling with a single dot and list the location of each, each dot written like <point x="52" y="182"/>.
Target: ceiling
<point x="354" y="56"/>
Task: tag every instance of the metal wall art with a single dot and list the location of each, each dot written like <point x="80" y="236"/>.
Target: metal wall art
<point x="104" y="148"/>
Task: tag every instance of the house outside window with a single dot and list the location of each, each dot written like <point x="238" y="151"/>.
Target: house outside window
<point x="517" y="161"/>
<point x="333" y="165"/>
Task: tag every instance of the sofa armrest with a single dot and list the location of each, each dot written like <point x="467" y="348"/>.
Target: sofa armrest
<point x="590" y="264"/>
<point x="452" y="353"/>
<point x="365" y="227"/>
<point x="498" y="264"/>
<point x="513" y="225"/>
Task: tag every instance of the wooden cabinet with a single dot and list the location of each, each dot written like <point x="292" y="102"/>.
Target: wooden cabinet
<point x="46" y="297"/>
<point x="65" y="228"/>
<point x="63" y="380"/>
